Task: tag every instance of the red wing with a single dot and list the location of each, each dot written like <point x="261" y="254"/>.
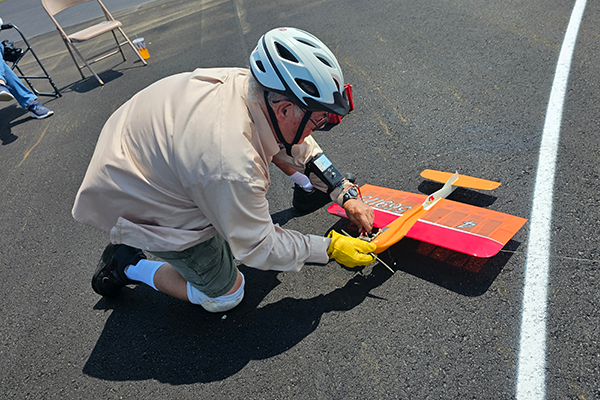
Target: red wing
<point x="460" y="227"/>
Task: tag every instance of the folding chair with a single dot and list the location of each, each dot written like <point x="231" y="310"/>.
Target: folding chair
<point x="19" y="56"/>
<point x="54" y="7"/>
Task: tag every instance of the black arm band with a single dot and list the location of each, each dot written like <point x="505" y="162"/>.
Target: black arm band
<point x="325" y="171"/>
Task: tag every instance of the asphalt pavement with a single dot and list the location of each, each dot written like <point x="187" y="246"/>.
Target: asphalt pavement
<point x="442" y="85"/>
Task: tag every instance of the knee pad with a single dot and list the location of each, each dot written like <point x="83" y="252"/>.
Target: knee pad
<point x="217" y="304"/>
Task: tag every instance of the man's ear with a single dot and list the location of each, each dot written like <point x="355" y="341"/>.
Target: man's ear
<point x="283" y="109"/>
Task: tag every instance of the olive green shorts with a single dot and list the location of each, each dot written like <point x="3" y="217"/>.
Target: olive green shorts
<point x="208" y="266"/>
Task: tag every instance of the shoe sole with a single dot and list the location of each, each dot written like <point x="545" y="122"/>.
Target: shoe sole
<point x="41" y="116"/>
<point x="5" y="96"/>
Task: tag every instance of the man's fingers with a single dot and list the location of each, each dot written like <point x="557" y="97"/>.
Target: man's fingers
<point x="364" y="246"/>
<point x="360" y="214"/>
<point x="363" y="259"/>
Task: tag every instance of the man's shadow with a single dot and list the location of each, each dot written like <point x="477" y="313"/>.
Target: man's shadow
<point x="151" y="336"/>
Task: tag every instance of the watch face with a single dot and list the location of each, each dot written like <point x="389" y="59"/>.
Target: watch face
<point x="351" y="193"/>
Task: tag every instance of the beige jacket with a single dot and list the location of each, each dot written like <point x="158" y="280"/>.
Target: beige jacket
<point x="186" y="159"/>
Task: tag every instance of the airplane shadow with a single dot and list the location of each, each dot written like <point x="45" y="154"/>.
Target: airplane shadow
<point x="152" y="336"/>
<point x="457" y="272"/>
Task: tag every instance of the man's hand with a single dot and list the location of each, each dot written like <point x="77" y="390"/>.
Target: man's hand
<point x="350" y="251"/>
<point x="360" y="214"/>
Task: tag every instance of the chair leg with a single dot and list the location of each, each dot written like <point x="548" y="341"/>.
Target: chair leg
<point x="118" y="44"/>
<point x="87" y="65"/>
<point x="56" y="91"/>
<point x="74" y="60"/>
<point x="133" y="47"/>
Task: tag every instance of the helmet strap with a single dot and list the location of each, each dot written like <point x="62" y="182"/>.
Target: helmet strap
<point x="300" y="130"/>
<point x="288" y="146"/>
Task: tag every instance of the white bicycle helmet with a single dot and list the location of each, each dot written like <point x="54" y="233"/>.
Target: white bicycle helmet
<point x="296" y="64"/>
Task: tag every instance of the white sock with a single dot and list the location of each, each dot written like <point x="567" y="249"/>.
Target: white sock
<point x="144" y="271"/>
<point x="217" y="304"/>
<point x="301" y="180"/>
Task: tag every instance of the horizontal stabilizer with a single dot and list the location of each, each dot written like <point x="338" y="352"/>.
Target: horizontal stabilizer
<point x="463" y="180"/>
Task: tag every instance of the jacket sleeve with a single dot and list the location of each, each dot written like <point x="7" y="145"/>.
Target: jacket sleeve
<point x="239" y="211"/>
<point x="301" y="155"/>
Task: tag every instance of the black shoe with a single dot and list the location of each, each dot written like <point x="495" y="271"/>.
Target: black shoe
<point x="110" y="277"/>
<point x="305" y="202"/>
<point x="350" y="176"/>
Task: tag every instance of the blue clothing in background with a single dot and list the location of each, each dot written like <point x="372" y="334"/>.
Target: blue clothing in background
<point x="14" y="85"/>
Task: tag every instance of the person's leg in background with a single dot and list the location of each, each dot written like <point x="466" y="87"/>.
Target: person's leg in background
<point x="11" y="88"/>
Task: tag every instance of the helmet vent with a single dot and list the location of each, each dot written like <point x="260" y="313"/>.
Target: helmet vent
<point x="260" y="66"/>
<point x="324" y="61"/>
<point x="308" y="87"/>
<point x="337" y="84"/>
<point x="306" y="43"/>
<point x="285" y="53"/>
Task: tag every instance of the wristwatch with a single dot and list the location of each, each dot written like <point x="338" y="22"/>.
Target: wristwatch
<point x="351" y="193"/>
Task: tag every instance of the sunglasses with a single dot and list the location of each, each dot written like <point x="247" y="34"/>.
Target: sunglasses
<point x="321" y="122"/>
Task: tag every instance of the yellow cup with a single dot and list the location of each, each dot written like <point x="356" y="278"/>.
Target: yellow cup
<point x="140" y="45"/>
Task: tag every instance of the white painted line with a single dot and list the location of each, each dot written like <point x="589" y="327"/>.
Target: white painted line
<point x="532" y="348"/>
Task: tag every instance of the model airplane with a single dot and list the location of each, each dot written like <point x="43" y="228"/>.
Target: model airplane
<point x="434" y="219"/>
